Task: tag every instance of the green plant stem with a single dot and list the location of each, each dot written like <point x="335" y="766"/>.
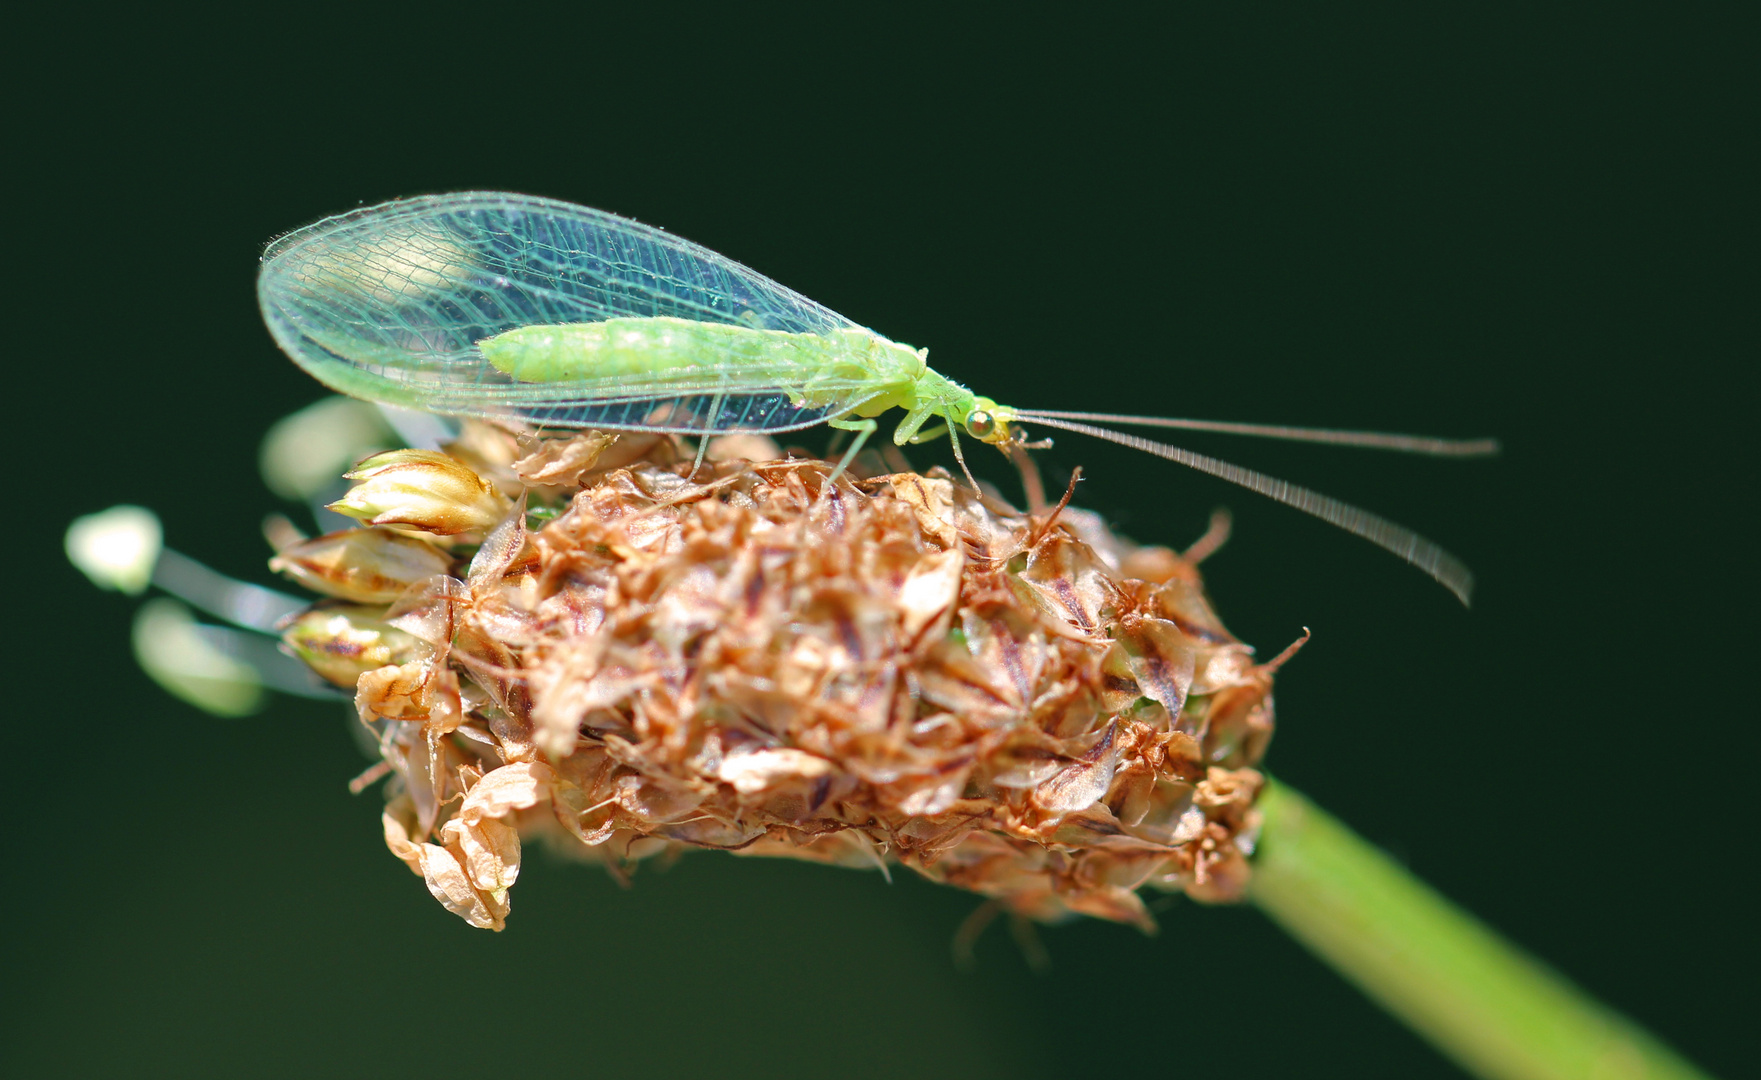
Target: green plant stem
<point x="1494" y="1009"/>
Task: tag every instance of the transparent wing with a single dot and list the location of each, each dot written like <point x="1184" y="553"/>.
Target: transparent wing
<point x="387" y="303"/>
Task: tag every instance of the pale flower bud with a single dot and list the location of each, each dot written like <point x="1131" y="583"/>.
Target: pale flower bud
<point x="173" y="650"/>
<point x="424" y="490"/>
<point x="365" y="565"/>
<point x="118" y="548"/>
<point x="340" y="643"/>
<point x="303" y="452"/>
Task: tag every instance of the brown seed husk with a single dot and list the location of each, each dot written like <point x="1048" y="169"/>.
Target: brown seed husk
<point x="886" y="670"/>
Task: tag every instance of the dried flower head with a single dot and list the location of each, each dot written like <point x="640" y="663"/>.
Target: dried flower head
<point x="892" y="669"/>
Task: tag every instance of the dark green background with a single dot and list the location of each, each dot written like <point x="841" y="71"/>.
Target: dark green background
<point x="1517" y="224"/>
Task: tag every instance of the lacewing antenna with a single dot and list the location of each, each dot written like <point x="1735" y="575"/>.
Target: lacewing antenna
<point x="1374" y="440"/>
<point x="1445" y="568"/>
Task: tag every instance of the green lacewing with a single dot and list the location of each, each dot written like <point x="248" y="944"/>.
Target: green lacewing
<point x="511" y="307"/>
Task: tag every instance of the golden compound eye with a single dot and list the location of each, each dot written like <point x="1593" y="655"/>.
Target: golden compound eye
<point x="980" y="424"/>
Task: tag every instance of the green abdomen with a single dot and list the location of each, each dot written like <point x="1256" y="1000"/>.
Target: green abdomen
<point x="651" y="346"/>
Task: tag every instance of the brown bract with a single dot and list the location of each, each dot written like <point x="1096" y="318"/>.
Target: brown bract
<point x="893" y="669"/>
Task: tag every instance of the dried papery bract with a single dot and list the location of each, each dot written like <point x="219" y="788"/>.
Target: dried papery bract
<point x="892" y="669"/>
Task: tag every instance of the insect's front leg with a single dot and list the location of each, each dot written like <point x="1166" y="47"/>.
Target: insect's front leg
<point x="927" y="434"/>
<point x="863" y="429"/>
